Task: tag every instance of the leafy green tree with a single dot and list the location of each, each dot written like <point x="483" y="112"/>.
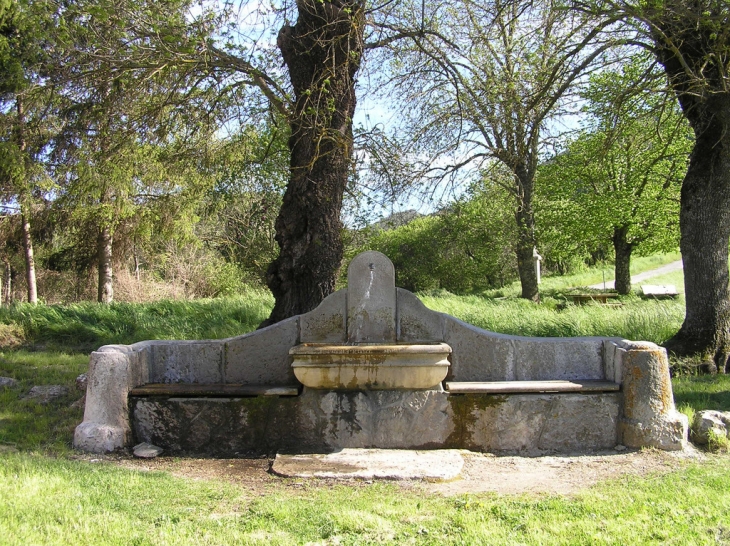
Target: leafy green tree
<point x="208" y="57"/>
<point x="25" y="115"/>
<point x="485" y="85"/>
<point x="691" y="40"/>
<point x="465" y="247"/>
<point x="619" y="180"/>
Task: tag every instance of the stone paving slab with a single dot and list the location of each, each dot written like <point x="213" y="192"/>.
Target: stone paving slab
<point x="387" y="464"/>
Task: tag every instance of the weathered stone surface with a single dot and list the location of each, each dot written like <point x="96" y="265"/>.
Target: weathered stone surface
<point x="479" y="355"/>
<point x="113" y="371"/>
<point x="708" y="423"/>
<point x="8" y="383"/>
<point x="370" y="367"/>
<point x="328" y="322"/>
<point x="262" y="357"/>
<point x="82" y="381"/>
<point x="649" y="418"/>
<point x="187" y="362"/>
<point x="550" y="422"/>
<point x="401" y="464"/>
<point x="371" y="300"/>
<point x="414" y="321"/>
<point x="384" y="419"/>
<point x="147" y="451"/>
<point x="45" y="394"/>
<point x="322" y="421"/>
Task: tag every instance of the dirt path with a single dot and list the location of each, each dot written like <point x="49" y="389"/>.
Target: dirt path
<point x="663" y="270"/>
<point x="555" y="474"/>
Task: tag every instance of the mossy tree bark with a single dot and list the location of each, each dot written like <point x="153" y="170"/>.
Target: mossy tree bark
<point x="322" y="52"/>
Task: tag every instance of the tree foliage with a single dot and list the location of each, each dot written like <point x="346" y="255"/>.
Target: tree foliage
<point x="618" y="181"/>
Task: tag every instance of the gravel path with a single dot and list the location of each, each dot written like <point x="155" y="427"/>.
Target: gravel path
<point x="668" y="268"/>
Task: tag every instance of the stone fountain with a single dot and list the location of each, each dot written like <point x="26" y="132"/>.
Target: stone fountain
<point x="373" y="367"/>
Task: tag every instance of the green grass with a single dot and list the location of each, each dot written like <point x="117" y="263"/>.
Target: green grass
<point x="28" y="425"/>
<point x="636" y="319"/>
<point x="86" y="326"/>
<point x="49" y="501"/>
<point x="702" y="392"/>
<point x="559" y="283"/>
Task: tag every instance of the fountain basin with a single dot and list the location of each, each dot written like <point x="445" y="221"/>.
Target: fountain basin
<point x="370" y="366"/>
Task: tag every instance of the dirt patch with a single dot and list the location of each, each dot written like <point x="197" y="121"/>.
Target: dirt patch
<point x="483" y="472"/>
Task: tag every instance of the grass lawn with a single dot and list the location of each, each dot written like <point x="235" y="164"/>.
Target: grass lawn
<point x="55" y="501"/>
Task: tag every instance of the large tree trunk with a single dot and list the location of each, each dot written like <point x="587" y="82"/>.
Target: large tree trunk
<point x="526" y="242"/>
<point x="322" y="52"/>
<point x="105" y="292"/>
<point x="704" y="223"/>
<point x="622" y="268"/>
<point x="686" y="47"/>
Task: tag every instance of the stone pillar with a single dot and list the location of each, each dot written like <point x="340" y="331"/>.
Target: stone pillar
<point x="648" y="415"/>
<point x="112" y="374"/>
<point x="371" y="299"/>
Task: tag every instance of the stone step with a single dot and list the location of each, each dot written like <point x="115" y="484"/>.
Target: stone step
<point x="208" y="390"/>
<point x="368" y="464"/>
<point x="526" y="387"/>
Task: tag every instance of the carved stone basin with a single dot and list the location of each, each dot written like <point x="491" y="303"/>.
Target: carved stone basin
<point x="370" y="366"/>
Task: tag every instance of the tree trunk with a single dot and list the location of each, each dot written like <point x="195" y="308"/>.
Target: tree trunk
<point x="104" y="259"/>
<point x="704" y="218"/>
<point x="704" y="222"/>
<point x="7" y="282"/>
<point x="526" y="241"/>
<point x="322" y="52"/>
<point x="622" y="267"/>
<point x="24" y="198"/>
<point x="29" y="260"/>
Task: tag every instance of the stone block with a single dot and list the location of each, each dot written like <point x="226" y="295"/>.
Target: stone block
<point x="186" y="362"/>
<point x="709" y="423"/>
<point x="478" y="355"/>
<point x="371" y="300"/>
<point x="648" y="415"/>
<point x="545" y="422"/>
<point x="262" y="357"/>
<point x="328" y="322"/>
<point x="414" y="321"/>
<point x="106" y="424"/>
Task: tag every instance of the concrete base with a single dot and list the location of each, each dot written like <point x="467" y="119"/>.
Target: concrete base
<point x="323" y="422"/>
<point x="367" y="464"/>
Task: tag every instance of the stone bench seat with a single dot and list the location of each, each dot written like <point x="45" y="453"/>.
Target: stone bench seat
<point x="213" y="390"/>
<point x="527" y="387"/>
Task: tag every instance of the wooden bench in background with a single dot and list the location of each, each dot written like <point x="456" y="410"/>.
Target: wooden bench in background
<point x="582" y="299"/>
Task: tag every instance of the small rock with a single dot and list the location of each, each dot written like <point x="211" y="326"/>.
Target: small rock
<point x="710" y="420"/>
<point x="80" y="403"/>
<point x="81" y="382"/>
<point x="44" y="394"/>
<point x="619" y="447"/>
<point x="147" y="451"/>
<point x="8" y="383"/>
